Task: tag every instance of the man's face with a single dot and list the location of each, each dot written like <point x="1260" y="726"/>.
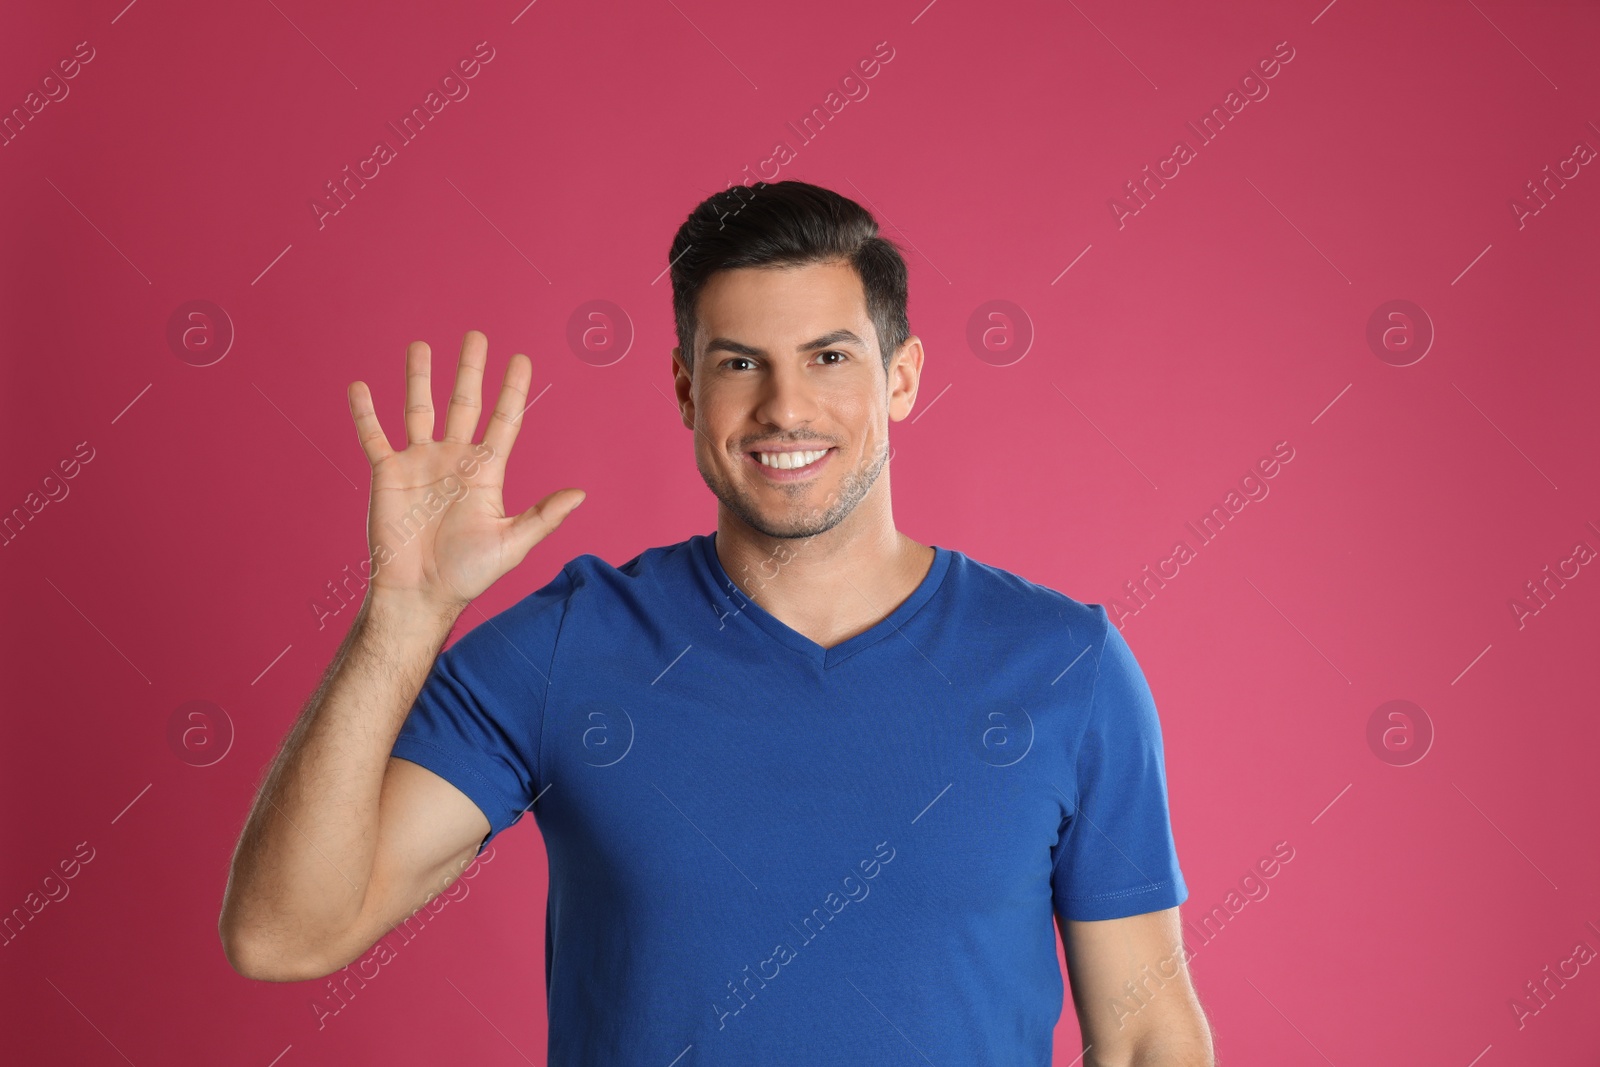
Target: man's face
<point x="789" y="399"/>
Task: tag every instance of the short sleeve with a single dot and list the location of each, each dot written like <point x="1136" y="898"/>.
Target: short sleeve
<point x="477" y="719"/>
<point x="1116" y="856"/>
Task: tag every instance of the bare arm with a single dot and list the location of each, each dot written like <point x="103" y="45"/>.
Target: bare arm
<point x="306" y="863"/>
<point x="343" y="840"/>
<point x="1130" y="987"/>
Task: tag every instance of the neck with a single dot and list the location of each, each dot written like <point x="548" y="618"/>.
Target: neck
<point x="832" y="585"/>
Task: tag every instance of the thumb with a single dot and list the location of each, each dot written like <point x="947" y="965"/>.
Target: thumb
<point x="539" y="521"/>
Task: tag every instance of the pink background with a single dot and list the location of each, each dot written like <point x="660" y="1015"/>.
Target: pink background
<point x="1230" y="313"/>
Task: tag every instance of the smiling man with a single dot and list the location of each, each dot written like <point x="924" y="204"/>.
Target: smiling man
<point x="812" y="792"/>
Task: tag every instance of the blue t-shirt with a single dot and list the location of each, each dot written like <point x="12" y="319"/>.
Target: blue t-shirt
<point x="763" y="851"/>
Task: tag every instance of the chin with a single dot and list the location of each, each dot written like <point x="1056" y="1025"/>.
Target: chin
<point x="799" y="519"/>
<point x="800" y="510"/>
<point x="797" y="528"/>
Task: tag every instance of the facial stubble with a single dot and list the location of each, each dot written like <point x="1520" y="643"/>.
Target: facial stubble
<point x="813" y="519"/>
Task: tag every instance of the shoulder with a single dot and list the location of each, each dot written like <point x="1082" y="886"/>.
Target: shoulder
<point x="589" y="582"/>
<point x="1005" y="600"/>
<point x="585" y="588"/>
<point x="650" y="567"/>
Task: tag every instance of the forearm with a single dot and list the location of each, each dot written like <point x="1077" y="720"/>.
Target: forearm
<point x="305" y="857"/>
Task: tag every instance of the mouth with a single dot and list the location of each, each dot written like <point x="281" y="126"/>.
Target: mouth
<point x="789" y="466"/>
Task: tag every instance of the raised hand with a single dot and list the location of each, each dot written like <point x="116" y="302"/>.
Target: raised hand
<point x="436" y="525"/>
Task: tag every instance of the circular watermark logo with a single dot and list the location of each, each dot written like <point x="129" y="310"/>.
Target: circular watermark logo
<point x="1399" y="333"/>
<point x="605" y="734"/>
<point x="1001" y="738"/>
<point x="199" y="332"/>
<point x="199" y="732"/>
<point x="999" y="332"/>
<point x="1399" y="733"/>
<point x="599" y="332"/>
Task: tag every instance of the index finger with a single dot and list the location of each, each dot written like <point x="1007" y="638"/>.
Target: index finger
<point x="506" y="419"/>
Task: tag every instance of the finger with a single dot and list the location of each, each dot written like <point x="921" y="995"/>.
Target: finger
<point x="535" y="524"/>
<point x="419" y="393"/>
<point x="368" y="430"/>
<point x="506" y="419"/>
<point x="466" y="403"/>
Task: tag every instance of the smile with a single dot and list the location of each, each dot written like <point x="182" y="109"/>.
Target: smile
<point x="786" y="466"/>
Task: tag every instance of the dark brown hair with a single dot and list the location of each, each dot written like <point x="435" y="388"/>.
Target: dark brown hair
<point x="788" y="223"/>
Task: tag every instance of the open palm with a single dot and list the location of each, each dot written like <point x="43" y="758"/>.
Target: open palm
<point x="436" y="525"/>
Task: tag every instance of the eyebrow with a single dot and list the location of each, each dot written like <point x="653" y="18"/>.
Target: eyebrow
<point x="827" y="340"/>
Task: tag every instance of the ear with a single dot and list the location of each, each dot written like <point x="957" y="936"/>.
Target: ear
<point x="683" y="386"/>
<point x="905" y="372"/>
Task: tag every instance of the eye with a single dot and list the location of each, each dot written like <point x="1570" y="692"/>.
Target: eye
<point x="736" y="359"/>
<point x="834" y="352"/>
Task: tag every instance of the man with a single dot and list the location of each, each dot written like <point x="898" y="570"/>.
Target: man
<point x="811" y="792"/>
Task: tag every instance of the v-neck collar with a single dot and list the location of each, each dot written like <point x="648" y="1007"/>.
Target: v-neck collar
<point x="732" y="601"/>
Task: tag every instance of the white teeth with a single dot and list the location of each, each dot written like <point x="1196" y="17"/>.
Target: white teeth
<point x="789" y="460"/>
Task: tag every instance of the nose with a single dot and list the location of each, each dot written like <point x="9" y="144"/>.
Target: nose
<point x="787" y="397"/>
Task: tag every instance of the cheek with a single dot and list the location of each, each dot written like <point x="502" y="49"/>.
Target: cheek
<point x="713" y="410"/>
<point x="721" y="417"/>
<point x="854" y="411"/>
